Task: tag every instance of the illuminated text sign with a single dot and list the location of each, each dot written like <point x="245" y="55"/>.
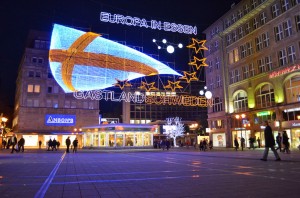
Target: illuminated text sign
<point x="284" y="71"/>
<point x="60" y="120"/>
<point x="153" y="24"/>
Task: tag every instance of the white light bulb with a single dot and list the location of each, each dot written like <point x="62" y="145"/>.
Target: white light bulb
<point x="208" y="95"/>
<point x="205" y="87"/>
<point x="153" y="40"/>
<point x="164" y="41"/>
<point x="180" y="45"/>
<point x="158" y="47"/>
<point x="201" y="92"/>
<point x="170" y="49"/>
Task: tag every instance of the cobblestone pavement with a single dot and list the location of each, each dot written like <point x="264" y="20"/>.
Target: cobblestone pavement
<point x="148" y="173"/>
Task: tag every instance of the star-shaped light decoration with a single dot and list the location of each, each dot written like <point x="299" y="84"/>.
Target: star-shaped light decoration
<point x="198" y="62"/>
<point x="173" y="85"/>
<point x="189" y="76"/>
<point x="148" y="86"/>
<point x="197" y="45"/>
<point x="122" y="83"/>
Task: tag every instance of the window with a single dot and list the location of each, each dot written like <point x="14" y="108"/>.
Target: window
<point x="34" y="59"/>
<point x="295" y="2"/>
<point x="85" y="104"/>
<point x="247" y="28"/>
<point x="241" y="32"/>
<point x="211" y="83"/>
<point x="67" y="103"/>
<point x="227" y="23"/>
<point x="282" y="57"/>
<point x="233" y="56"/>
<point x="263" y="18"/>
<point x="31" y="74"/>
<point x="258" y="42"/>
<point x="48" y="103"/>
<point x="240" y="14"/>
<point x="243" y="51"/>
<point x="216" y="44"/>
<point x="240" y="102"/>
<point x="210" y="66"/>
<point x="232" y="76"/>
<point x="291" y="54"/>
<point x="287" y="26"/>
<point x="292" y="87"/>
<point x="278" y="32"/>
<point x="55" y="103"/>
<point x="217" y="63"/>
<point x="265" y="96"/>
<point x="73" y="104"/>
<point x="245" y="72"/>
<point x="275" y="10"/>
<point x="268" y="62"/>
<point x="56" y="89"/>
<point x="36" y="103"/>
<point x="266" y="39"/>
<point x="218" y="80"/>
<point x="249" y="48"/>
<point x="228" y="39"/>
<point x="255" y="23"/>
<point x="33" y="88"/>
<point x="40" y="60"/>
<point x="237" y="75"/>
<point x="49" y="90"/>
<point x="91" y="105"/>
<point x="233" y="18"/>
<point x="252" y="70"/>
<point x="29" y="103"/>
<point x="37" y="74"/>
<point x="253" y="4"/>
<point x="261" y="65"/>
<point x="234" y="36"/>
<point x="246" y="9"/>
<point x="297" y="21"/>
<point x="284" y="5"/>
<point x="217" y="105"/>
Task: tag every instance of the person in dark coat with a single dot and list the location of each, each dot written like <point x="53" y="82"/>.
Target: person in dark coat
<point x="75" y="145"/>
<point x="236" y="144"/>
<point x="13" y="142"/>
<point x="68" y="143"/>
<point x="21" y="144"/>
<point x="285" y="142"/>
<point x="269" y="143"/>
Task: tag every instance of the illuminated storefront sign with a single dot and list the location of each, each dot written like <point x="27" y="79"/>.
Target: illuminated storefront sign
<point x="153" y="24"/>
<point x="184" y="100"/>
<point x="284" y="71"/>
<point x="60" y="120"/>
<point x="263" y="113"/>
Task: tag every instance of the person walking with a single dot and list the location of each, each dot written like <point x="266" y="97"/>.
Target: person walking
<point x="75" y="145"/>
<point x="258" y="142"/>
<point x="236" y="144"/>
<point x="285" y="142"/>
<point x="243" y="143"/>
<point x="278" y="141"/>
<point x="68" y="143"/>
<point x="167" y="144"/>
<point x="54" y="144"/>
<point x="21" y="144"/>
<point x="13" y="142"/>
<point x="40" y="144"/>
<point x="269" y="143"/>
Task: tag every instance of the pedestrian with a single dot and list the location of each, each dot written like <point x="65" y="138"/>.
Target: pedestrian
<point x="242" y="143"/>
<point x="236" y="144"/>
<point x="4" y="143"/>
<point x="21" y="144"/>
<point x="58" y="144"/>
<point x="68" y="143"/>
<point x="278" y="141"/>
<point x="258" y="142"/>
<point x="204" y="142"/>
<point x="251" y="142"/>
<point x="75" y="145"/>
<point x="54" y="144"/>
<point x="50" y="144"/>
<point x="163" y="144"/>
<point x="285" y="142"/>
<point x="210" y="144"/>
<point x="13" y="142"/>
<point x="201" y="145"/>
<point x="167" y="144"/>
<point x="40" y="144"/>
<point x="269" y="143"/>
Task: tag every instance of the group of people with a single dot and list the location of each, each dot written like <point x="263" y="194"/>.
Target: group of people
<point x="164" y="144"/>
<point x="283" y="142"/>
<point x="203" y="145"/>
<point x="74" y="144"/>
<point x="52" y="144"/>
<point x="15" y="145"/>
<point x="252" y="140"/>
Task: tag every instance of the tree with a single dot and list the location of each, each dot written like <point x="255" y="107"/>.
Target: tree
<point x="175" y="128"/>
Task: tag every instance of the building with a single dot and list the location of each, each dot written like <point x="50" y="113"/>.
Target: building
<point x="254" y="71"/>
<point x="42" y="109"/>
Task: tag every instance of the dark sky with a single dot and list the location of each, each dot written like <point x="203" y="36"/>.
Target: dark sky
<point x="17" y="17"/>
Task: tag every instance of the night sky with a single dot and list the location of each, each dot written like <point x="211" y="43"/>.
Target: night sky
<point x="19" y="16"/>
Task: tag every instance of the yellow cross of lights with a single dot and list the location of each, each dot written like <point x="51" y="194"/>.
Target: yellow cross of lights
<point x="197" y="45"/>
<point x="198" y="62"/>
<point x="173" y="85"/>
<point x="148" y="86"/>
<point x="122" y="83"/>
<point x="189" y="76"/>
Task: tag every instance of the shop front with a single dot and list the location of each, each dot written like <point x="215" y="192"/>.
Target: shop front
<point x="219" y="139"/>
<point x="239" y="133"/>
<point x="119" y="135"/>
<point x="293" y="131"/>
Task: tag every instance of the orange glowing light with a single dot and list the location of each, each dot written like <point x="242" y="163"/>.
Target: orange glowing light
<point x="198" y="63"/>
<point x="148" y="86"/>
<point x="173" y="85"/>
<point x="197" y="45"/>
<point x="189" y="76"/>
<point x="122" y="83"/>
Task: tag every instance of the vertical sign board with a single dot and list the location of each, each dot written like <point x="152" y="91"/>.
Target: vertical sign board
<point x="60" y="120"/>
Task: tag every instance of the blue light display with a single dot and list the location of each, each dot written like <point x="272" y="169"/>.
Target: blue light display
<point x="60" y="120"/>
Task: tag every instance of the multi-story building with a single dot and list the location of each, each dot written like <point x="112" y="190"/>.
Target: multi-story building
<point x="254" y="71"/>
<point x="42" y="109"/>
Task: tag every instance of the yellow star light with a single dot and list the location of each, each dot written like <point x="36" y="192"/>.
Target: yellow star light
<point x="197" y="45"/>
<point x="200" y="64"/>
<point x="189" y="76"/>
<point x="173" y="85"/>
<point x="122" y="83"/>
<point x="148" y="86"/>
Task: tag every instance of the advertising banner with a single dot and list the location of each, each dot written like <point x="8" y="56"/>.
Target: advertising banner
<point x="60" y="120"/>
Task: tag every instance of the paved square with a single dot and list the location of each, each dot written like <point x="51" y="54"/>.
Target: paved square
<point x="148" y="173"/>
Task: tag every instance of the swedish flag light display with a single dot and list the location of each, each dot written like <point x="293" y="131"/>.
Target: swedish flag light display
<point x="82" y="61"/>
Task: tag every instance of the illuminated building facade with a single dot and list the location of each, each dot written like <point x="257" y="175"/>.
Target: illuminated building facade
<point x="42" y="109"/>
<point x="254" y="71"/>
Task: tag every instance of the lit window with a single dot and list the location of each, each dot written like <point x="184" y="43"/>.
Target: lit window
<point x="29" y="88"/>
<point x="36" y="88"/>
